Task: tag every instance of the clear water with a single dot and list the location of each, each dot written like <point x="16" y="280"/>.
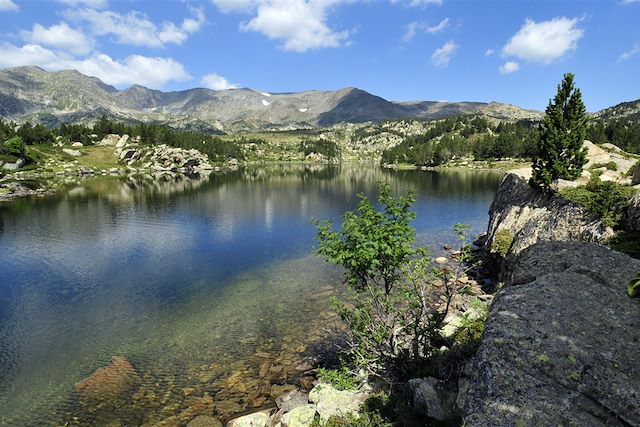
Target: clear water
<point x="208" y="288"/>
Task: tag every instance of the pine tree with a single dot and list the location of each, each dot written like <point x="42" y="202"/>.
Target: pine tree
<point x="563" y="130"/>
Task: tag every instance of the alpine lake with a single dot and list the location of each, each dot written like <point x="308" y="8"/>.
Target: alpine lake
<point x="197" y="295"/>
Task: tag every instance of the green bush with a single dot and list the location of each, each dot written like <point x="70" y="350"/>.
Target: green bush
<point x="340" y="379"/>
<point x="612" y="166"/>
<point x="15" y="146"/>
<point x="607" y="200"/>
<point x="502" y="242"/>
<point x="633" y="288"/>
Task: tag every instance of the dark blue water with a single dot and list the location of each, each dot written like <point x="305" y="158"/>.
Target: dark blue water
<point x="188" y="281"/>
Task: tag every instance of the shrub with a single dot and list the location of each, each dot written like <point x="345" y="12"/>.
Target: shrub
<point x="502" y="242"/>
<point x="607" y="200"/>
<point x="633" y="288"/>
<point x="612" y="166"/>
<point x="397" y="299"/>
<point x="340" y="379"/>
<point x="15" y="146"/>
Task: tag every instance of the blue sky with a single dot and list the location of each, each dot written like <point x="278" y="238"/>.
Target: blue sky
<point x="456" y="50"/>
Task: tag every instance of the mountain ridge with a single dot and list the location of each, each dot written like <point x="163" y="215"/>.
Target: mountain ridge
<point x="32" y="93"/>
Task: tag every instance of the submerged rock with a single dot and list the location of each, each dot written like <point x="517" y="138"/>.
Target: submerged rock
<point x="204" y="421"/>
<point x="561" y="343"/>
<point x="107" y="385"/>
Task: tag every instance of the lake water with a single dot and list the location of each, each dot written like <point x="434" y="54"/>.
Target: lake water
<point x="209" y="289"/>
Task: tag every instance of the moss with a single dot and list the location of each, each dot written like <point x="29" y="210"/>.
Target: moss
<point x="502" y="242"/>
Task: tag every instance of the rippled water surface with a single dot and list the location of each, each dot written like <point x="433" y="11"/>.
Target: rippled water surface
<point x="208" y="291"/>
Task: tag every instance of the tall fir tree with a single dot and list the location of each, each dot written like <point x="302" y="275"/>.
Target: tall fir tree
<point x="563" y="130"/>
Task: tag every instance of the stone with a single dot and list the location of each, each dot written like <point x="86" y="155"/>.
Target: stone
<point x="204" y="421"/>
<point x="561" y="342"/>
<point x="611" y="147"/>
<point x="595" y="155"/>
<point x="532" y="216"/>
<point x="124" y="139"/>
<point x="77" y="144"/>
<point x="74" y="153"/>
<point x="636" y="176"/>
<point x="561" y="184"/>
<point x="426" y="399"/>
<point x="278" y="390"/>
<point x="632" y="215"/>
<point x="107" y="385"/>
<point x="291" y="400"/>
<point x="257" y="419"/>
<point x="331" y="402"/>
<point x="441" y="260"/>
<point x="109" y="140"/>
<point x="302" y="416"/>
<point x="14" y="166"/>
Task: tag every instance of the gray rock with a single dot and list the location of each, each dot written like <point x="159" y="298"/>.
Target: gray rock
<point x="633" y="213"/>
<point x="532" y="216"/>
<point x="109" y="140"/>
<point x="636" y="176"/>
<point x="561" y="343"/>
<point x="74" y="153"/>
<point x="331" y="402"/>
<point x="301" y="416"/>
<point x="257" y="419"/>
<point x="204" y="421"/>
<point x="14" y="166"/>
<point x="426" y="399"/>
<point x="291" y="400"/>
<point x="77" y="144"/>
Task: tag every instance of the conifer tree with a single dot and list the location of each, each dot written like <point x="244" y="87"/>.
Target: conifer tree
<point x="563" y="130"/>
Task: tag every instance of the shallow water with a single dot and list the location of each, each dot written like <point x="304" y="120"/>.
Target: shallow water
<point x="208" y="288"/>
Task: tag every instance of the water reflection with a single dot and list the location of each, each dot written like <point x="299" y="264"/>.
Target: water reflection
<point x="188" y="280"/>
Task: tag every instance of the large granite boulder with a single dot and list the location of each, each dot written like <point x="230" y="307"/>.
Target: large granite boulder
<point x="561" y="343"/>
<point x="530" y="216"/>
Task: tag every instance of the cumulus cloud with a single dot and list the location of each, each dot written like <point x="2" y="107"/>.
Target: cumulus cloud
<point x="544" y="42"/>
<point x="153" y="72"/>
<point x="217" y="82"/>
<point x="96" y="4"/>
<point x="59" y="36"/>
<point x="136" y="29"/>
<point x="8" y="5"/>
<point x="300" y="24"/>
<point x="442" y="56"/>
<point x="509" y="67"/>
<point x="440" y="27"/>
<point x="489" y="52"/>
<point x="628" y="54"/>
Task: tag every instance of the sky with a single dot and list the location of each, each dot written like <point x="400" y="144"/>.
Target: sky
<point x="513" y="51"/>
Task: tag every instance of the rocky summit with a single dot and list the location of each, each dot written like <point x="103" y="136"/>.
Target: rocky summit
<point x="71" y="97"/>
<point x="561" y="343"/>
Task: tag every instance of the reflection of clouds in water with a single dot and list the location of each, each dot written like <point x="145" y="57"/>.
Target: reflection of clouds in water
<point x="304" y="205"/>
<point x="224" y="227"/>
<point x="268" y="213"/>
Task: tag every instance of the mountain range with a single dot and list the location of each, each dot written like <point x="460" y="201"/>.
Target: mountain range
<point x="31" y="93"/>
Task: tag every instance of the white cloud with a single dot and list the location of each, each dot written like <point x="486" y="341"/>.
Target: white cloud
<point x="8" y="5"/>
<point x="628" y="54"/>
<point x="509" y="67"/>
<point x="216" y="82"/>
<point x="59" y="36"/>
<point x="489" y="52"/>
<point x="148" y="71"/>
<point x="411" y="31"/>
<point x="439" y="27"/>
<point x="630" y="1"/>
<point x="136" y="29"/>
<point x="300" y="24"/>
<point x="96" y="4"/>
<point x="442" y="56"/>
<point x="545" y="41"/>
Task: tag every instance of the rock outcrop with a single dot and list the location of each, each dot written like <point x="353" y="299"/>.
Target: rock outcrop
<point x="561" y="343"/>
<point x="531" y="216"/>
<point x="161" y="158"/>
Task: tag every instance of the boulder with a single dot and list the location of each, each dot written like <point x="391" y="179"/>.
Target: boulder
<point x="204" y="421"/>
<point x="633" y="213"/>
<point x="301" y="416"/>
<point x="595" y="155"/>
<point x="257" y="419"/>
<point x="426" y="399"/>
<point x="291" y="400"/>
<point x="531" y="216"/>
<point x="107" y="385"/>
<point x="636" y="175"/>
<point x="561" y="342"/>
<point x="14" y="166"/>
<point x="331" y="402"/>
<point x="124" y="139"/>
<point x="77" y="144"/>
<point x="74" y="153"/>
<point x="109" y="140"/>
